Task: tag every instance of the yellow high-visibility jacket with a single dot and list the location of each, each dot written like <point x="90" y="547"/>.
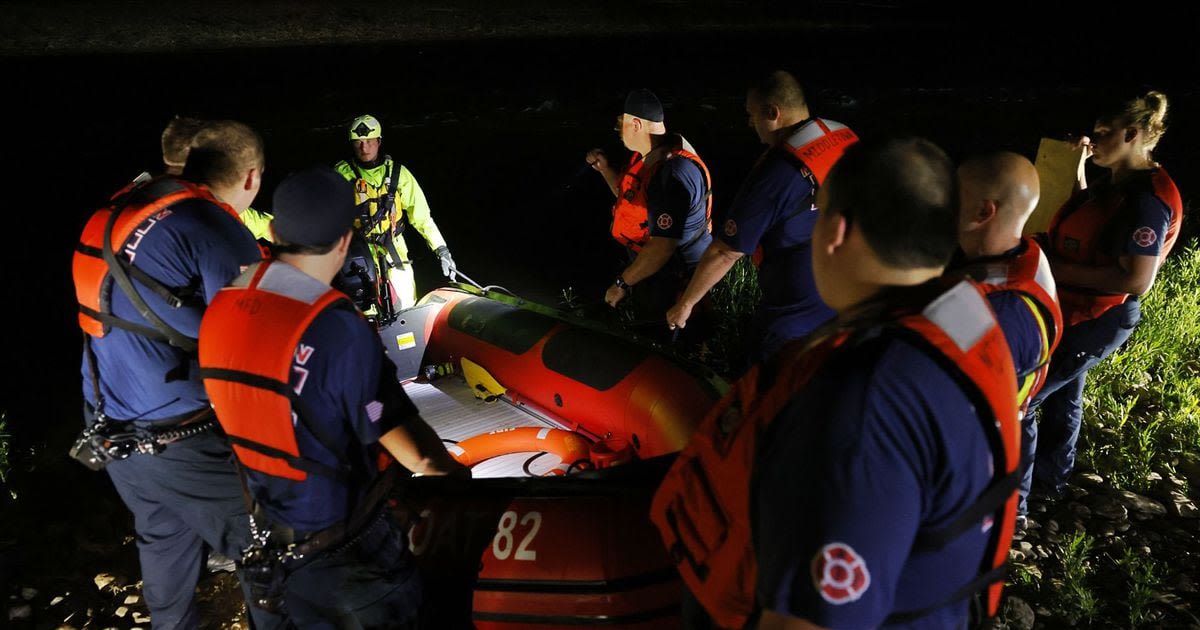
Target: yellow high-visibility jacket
<point x="410" y="204"/>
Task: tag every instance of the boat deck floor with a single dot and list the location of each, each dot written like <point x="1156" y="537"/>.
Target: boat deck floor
<point x="448" y="405"/>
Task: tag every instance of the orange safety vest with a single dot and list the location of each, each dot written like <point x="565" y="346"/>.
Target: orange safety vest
<point x="1028" y="274"/>
<point x="249" y="348"/>
<point x="816" y="145"/>
<point x="702" y="508"/>
<point x="106" y="249"/>
<point x="1081" y="232"/>
<point x="631" y="216"/>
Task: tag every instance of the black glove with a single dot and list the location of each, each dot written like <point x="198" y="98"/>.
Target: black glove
<point x="448" y="268"/>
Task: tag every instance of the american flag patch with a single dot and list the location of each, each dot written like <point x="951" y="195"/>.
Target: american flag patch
<point x="374" y="410"/>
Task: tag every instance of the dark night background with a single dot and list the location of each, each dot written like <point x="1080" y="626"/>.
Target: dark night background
<point x="493" y="115"/>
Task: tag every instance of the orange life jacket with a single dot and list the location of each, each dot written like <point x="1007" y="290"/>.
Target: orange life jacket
<point x="631" y="222"/>
<point x="1081" y="232"/>
<point x="106" y="249"/>
<point x="249" y="349"/>
<point x="1028" y="274"/>
<point x="816" y="145"/>
<point x="702" y="508"/>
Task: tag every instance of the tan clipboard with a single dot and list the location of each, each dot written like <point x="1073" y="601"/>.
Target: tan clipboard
<point x="1058" y="168"/>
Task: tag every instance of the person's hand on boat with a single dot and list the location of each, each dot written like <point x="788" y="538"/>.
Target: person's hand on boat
<point x="614" y="295"/>
<point x="448" y="268"/>
<point x="445" y="467"/>
<point x="678" y="315"/>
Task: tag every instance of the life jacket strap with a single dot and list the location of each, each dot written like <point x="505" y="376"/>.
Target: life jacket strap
<point x="976" y="585"/>
<point x="303" y="414"/>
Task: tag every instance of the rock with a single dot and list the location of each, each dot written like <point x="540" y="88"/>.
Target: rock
<point x="1183" y="535"/>
<point x="28" y="593"/>
<point x="121" y="612"/>
<point x="1042" y="552"/>
<point x="103" y="580"/>
<point x="1144" y="550"/>
<point x="1090" y="479"/>
<point x="1123" y="526"/>
<point x="1016" y="614"/>
<point x="57" y="600"/>
<point x="131" y="599"/>
<point x="1015" y="555"/>
<point x="1190" y="469"/>
<point x="1141" y="507"/>
<point x="1109" y="508"/>
<point x="1080" y="511"/>
<point x="1153" y="477"/>
<point x="1182" y="506"/>
<point x="1184" y="584"/>
<point x="24" y="611"/>
<point x="141" y="618"/>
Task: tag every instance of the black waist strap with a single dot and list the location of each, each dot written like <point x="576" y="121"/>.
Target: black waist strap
<point x="980" y="582"/>
<point x="987" y="503"/>
<point x="341" y="473"/>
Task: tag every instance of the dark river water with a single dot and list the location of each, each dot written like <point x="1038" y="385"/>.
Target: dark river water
<point x="495" y="132"/>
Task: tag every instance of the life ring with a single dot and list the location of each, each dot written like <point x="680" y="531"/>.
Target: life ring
<point x="571" y="447"/>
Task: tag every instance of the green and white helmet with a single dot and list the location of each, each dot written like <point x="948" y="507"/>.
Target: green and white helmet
<point x="365" y="127"/>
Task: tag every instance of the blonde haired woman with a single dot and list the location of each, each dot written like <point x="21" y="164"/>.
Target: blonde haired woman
<point x="1105" y="246"/>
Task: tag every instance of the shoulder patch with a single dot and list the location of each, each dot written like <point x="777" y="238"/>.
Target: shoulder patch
<point x="839" y="574"/>
<point x="1145" y="236"/>
<point x="730" y="227"/>
<point x="665" y="221"/>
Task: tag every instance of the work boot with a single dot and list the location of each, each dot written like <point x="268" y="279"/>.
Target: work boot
<point x="216" y="563"/>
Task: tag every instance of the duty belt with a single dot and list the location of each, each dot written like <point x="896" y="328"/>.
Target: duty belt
<point x="108" y="440"/>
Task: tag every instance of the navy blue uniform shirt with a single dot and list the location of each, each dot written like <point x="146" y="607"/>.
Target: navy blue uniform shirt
<point x="677" y="207"/>
<point x="775" y="208"/>
<point x="342" y="374"/>
<point x="882" y="443"/>
<point x="192" y="239"/>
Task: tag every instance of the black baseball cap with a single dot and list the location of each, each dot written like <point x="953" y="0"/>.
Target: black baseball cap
<point x="642" y="103"/>
<point x="314" y="207"/>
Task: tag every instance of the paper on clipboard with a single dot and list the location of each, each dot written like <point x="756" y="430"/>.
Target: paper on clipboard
<point x="1058" y="168"/>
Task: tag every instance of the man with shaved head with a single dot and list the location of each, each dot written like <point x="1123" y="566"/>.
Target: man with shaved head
<point x="997" y="194"/>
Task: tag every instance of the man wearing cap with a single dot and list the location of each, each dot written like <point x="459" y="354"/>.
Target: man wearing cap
<point x="390" y="198"/>
<point x="302" y="387"/>
<point x="663" y="207"/>
<point x="145" y="269"/>
<point x="774" y="213"/>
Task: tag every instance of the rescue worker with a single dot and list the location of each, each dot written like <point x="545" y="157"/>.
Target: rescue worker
<point x="390" y="199"/>
<point x="302" y="386"/>
<point x="663" y="209"/>
<point x="177" y="140"/>
<point x="997" y="195"/>
<point x="899" y="416"/>
<point x="1105" y="247"/>
<point x="775" y="210"/>
<point x="145" y="269"/>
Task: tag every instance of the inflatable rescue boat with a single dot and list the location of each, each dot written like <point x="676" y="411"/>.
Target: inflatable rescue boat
<point x="568" y="426"/>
